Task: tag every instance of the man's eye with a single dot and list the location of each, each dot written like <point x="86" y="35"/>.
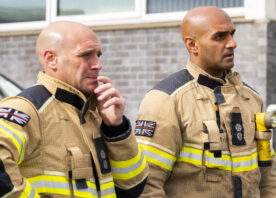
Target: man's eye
<point x="220" y="36"/>
<point x="99" y="54"/>
<point x="86" y="54"/>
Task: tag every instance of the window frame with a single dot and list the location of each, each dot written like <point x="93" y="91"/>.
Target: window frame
<point x="138" y="16"/>
<point x="30" y="25"/>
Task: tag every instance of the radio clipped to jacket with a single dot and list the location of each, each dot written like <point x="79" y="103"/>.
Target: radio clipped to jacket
<point x="265" y="122"/>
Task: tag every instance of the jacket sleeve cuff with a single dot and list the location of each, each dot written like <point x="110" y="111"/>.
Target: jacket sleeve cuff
<point x="117" y="133"/>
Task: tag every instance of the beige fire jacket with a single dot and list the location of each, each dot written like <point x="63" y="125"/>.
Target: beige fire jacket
<point x="52" y="146"/>
<point x="198" y="135"/>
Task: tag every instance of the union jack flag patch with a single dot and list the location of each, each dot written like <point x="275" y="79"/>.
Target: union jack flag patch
<point x="14" y="116"/>
<point x="145" y="128"/>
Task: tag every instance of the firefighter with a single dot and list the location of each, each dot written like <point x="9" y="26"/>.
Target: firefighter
<point x="67" y="136"/>
<point x="197" y="126"/>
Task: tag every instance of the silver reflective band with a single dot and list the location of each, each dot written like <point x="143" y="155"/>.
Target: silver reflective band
<point x="218" y="161"/>
<point x="12" y="134"/>
<point x="130" y="168"/>
<point x="247" y="163"/>
<point x="191" y="155"/>
<point x="158" y="158"/>
<point x="60" y="185"/>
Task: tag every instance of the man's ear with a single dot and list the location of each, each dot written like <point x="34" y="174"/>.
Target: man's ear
<point x="191" y="45"/>
<point x="50" y="59"/>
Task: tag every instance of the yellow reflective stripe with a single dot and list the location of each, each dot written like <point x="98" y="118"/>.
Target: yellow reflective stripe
<point x="127" y="163"/>
<point x="192" y="150"/>
<point x="60" y="185"/>
<point x="226" y="162"/>
<point x="108" y="186"/>
<point x="158" y="157"/>
<point x="29" y="192"/>
<point x="245" y="163"/>
<point x="129" y="168"/>
<point x="109" y="196"/>
<point x="131" y="173"/>
<point x="191" y="155"/>
<point x="17" y="138"/>
<point x="245" y="158"/>
<point x="42" y="184"/>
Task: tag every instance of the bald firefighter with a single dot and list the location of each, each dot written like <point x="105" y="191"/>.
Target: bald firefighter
<point x="66" y="136"/>
<point x="197" y="126"/>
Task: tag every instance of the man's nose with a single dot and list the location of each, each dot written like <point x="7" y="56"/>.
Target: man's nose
<point x="96" y="64"/>
<point x="231" y="43"/>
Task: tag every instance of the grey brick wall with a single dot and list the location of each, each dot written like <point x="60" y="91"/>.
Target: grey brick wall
<point x="250" y="54"/>
<point x="138" y="58"/>
<point x="18" y="59"/>
<point x="271" y="63"/>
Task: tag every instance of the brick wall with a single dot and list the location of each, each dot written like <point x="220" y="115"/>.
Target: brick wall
<point x="18" y="59"/>
<point x="137" y="59"/>
<point x="271" y="63"/>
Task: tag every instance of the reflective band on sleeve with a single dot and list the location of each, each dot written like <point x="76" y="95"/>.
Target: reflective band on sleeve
<point x="158" y="157"/>
<point x="29" y="192"/>
<point x="50" y="184"/>
<point x="246" y="163"/>
<point x="191" y="155"/>
<point x="16" y="137"/>
<point x="225" y="162"/>
<point x="129" y="168"/>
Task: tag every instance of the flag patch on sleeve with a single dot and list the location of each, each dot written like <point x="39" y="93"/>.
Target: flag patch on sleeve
<point x="145" y="128"/>
<point x="12" y="115"/>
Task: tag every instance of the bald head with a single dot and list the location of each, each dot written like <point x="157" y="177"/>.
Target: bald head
<point x="58" y="36"/>
<point x="198" y="20"/>
<point x="208" y="36"/>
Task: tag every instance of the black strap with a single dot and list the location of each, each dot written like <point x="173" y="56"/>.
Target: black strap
<point x="237" y="184"/>
<point x="102" y="155"/>
<point x="84" y="110"/>
<point x="219" y="96"/>
<point x="96" y="176"/>
<point x="117" y="133"/>
<point x="265" y="163"/>
<point x="134" y="192"/>
<point x="237" y="129"/>
<point x="70" y="98"/>
<point x="81" y="184"/>
<point x="5" y="181"/>
<point x="208" y="82"/>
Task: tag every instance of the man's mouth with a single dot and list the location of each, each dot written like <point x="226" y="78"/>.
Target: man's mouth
<point x="92" y="76"/>
<point x="229" y="55"/>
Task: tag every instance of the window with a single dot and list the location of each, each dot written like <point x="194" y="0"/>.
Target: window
<point x="92" y="7"/>
<point x="18" y="15"/>
<point x="160" y="6"/>
<point x="22" y="11"/>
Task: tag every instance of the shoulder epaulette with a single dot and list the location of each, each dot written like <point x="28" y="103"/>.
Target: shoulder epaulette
<point x="250" y="88"/>
<point x="174" y="81"/>
<point x="37" y="94"/>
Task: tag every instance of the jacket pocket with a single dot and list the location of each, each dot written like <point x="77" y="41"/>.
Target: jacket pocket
<point x="79" y="164"/>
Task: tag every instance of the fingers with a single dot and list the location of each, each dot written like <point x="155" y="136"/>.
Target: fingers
<point x="104" y="84"/>
<point x="104" y="79"/>
<point x="107" y="95"/>
<point x="113" y="101"/>
<point x="102" y="87"/>
<point x="110" y="104"/>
